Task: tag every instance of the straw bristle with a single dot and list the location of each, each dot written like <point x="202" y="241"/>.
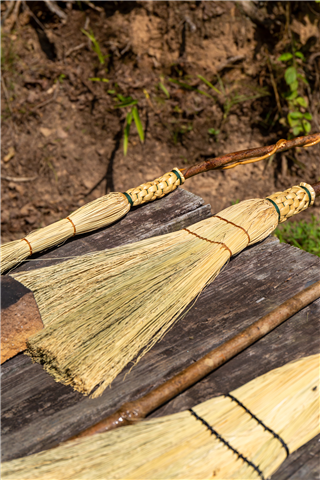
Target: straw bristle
<point x="286" y="400"/>
<point x="101" y="310"/>
<point x="97" y="214"/>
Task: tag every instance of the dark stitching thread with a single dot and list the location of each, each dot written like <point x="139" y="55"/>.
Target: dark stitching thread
<point x="228" y="221"/>
<point x="227" y="444"/>
<point x="74" y="227"/>
<point x="283" y="443"/>
<point x="207" y="240"/>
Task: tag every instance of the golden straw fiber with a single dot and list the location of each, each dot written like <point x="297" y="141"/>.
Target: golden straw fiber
<point x="179" y="446"/>
<point x="101" y="311"/>
<point x="94" y="215"/>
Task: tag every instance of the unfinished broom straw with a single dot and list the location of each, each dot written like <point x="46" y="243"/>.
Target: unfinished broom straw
<point x="132" y="412"/>
<point x="101" y="311"/>
<point x="243" y="435"/>
<point x="110" y="208"/>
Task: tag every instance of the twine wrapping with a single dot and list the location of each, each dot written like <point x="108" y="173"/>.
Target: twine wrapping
<point x="147" y="192"/>
<point x="292" y="201"/>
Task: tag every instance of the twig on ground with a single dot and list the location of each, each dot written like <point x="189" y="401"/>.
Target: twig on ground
<point x="229" y="62"/>
<point x="46" y="102"/>
<point x="53" y="7"/>
<point x="18" y="179"/>
<point x="74" y="49"/>
<point x="15" y="13"/>
<point x="7" y="13"/>
<point x="33" y="16"/>
<point x="5" y="91"/>
<point x="274" y="85"/>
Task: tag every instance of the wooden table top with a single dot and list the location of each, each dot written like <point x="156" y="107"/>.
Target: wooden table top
<point x="38" y="413"/>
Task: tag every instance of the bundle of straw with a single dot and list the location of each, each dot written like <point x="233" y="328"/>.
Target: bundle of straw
<point x="110" y="208"/>
<point x="244" y="435"/>
<point x="101" y="310"/>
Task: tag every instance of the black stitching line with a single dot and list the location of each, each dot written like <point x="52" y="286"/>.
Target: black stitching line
<point x="283" y="443"/>
<point x="227" y="444"/>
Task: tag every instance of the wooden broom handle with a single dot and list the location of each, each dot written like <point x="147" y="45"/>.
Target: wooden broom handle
<point x="281" y="146"/>
<point x="316" y="188"/>
<point x="132" y="412"/>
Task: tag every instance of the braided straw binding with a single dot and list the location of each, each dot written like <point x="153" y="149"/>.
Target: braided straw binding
<point x="147" y="192"/>
<point x="293" y="200"/>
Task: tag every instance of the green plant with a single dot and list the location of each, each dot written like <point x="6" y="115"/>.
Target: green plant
<point x="209" y="84"/>
<point x="301" y="234"/>
<point x="133" y="114"/>
<point x="186" y="86"/>
<point x="95" y="46"/>
<point x="98" y="79"/>
<point x="163" y="87"/>
<point x="298" y="116"/>
<point x="213" y="132"/>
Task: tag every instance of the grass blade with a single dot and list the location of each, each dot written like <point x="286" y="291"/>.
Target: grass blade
<point x="138" y="123"/>
<point x="209" y="84"/>
<point x="163" y="88"/>
<point x="126" y="133"/>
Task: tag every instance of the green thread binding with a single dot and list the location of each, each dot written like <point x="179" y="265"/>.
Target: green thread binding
<point x="309" y="194"/>
<point x="128" y="198"/>
<point x="275" y="206"/>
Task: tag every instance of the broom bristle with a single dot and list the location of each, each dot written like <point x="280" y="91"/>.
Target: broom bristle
<point x="101" y="310"/>
<point x="97" y="214"/>
<point x="180" y="446"/>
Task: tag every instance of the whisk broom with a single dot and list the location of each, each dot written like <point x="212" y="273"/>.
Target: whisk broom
<point x="243" y="435"/>
<point x="102" y="310"/>
<point x="110" y="208"/>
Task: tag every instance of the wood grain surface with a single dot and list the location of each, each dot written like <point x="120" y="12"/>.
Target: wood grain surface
<point x="37" y="413"/>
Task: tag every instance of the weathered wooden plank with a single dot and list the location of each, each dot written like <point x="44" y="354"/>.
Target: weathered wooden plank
<point x="38" y="416"/>
<point x="304" y="464"/>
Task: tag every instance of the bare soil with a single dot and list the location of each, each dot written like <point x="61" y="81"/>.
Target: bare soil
<point x="62" y="137"/>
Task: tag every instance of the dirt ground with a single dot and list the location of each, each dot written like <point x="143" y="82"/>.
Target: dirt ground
<point x="62" y="137"/>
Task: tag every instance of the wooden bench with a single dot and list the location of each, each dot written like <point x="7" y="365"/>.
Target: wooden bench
<point x="38" y="413"/>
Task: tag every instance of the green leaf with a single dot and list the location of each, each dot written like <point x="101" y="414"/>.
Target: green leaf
<point x="203" y="93"/>
<point x="295" y="115"/>
<point x="306" y="125"/>
<point x="209" y="84"/>
<point x="290" y="75"/>
<point x="95" y="45"/>
<point x="138" y="123"/>
<point x="308" y="116"/>
<point x="300" y="55"/>
<point x="285" y="57"/>
<point x="290" y="96"/>
<point x="126" y="133"/>
<point x="296" y="131"/>
<point x="294" y="86"/>
<point x="97" y="79"/>
<point x="126" y="102"/>
<point x="163" y="88"/>
<point x="301" y="101"/>
<point x="213" y="131"/>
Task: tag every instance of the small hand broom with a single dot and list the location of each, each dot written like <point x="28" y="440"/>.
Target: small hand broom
<point x="243" y="435"/>
<point x="110" y="208"/>
<point x="100" y="311"/>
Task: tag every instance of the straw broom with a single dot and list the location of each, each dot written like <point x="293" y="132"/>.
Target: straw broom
<point x="244" y="435"/>
<point x="101" y="311"/>
<point x="110" y="208"/>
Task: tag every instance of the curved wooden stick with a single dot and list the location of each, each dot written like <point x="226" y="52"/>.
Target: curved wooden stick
<point x="255" y="154"/>
<point x="132" y="412"/>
